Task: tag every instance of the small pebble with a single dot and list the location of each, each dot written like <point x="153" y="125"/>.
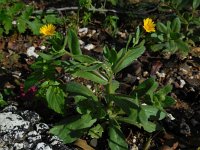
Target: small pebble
<point x="82" y="31"/>
<point x="182" y="83"/>
<point x="31" y="52"/>
<point x="160" y="75"/>
<point x="43" y="146"/>
<point x="89" y="47"/>
<point x="145" y="73"/>
<point x="170" y="116"/>
<point x="18" y="146"/>
<point x="42" y="47"/>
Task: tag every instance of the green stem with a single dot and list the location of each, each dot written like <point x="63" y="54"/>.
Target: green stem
<point x="65" y="42"/>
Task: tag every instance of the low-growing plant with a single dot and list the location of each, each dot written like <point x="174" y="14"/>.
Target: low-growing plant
<point x="168" y="38"/>
<point x="2" y="101"/>
<point x="111" y="24"/>
<point x="101" y="108"/>
<point x="187" y="12"/>
<point x="16" y="15"/>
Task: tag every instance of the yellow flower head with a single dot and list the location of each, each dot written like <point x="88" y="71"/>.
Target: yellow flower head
<point x="149" y="25"/>
<point x="48" y="30"/>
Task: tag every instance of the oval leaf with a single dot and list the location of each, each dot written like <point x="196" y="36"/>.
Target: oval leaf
<point x="73" y="42"/>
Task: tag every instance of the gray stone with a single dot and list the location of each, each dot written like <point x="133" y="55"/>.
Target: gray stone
<point x="41" y="127"/>
<point x="17" y="131"/>
<point x="34" y="137"/>
<point x="10" y="108"/>
<point x="4" y="148"/>
<point x="18" y="146"/>
<point x="43" y="146"/>
<point x="31" y="116"/>
<point x="10" y="122"/>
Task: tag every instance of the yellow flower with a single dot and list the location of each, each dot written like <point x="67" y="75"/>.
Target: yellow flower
<point x="48" y="30"/>
<point x="149" y="25"/>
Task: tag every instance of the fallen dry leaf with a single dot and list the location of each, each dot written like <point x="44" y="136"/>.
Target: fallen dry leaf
<point x="83" y="144"/>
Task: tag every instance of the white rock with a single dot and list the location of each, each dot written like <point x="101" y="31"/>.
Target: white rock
<point x="14" y="22"/>
<point x="43" y="146"/>
<point x="42" y="47"/>
<point x="18" y="146"/>
<point x="81" y="42"/>
<point x="182" y="83"/>
<point x="160" y="75"/>
<point x="89" y="47"/>
<point x="31" y="52"/>
<point x="32" y="133"/>
<point x="9" y="121"/>
<point x="92" y="33"/>
<point x="134" y="139"/>
<point x="144" y="104"/>
<point x="40" y="127"/>
<point x="83" y="31"/>
<point x="170" y="116"/>
<point x="134" y="147"/>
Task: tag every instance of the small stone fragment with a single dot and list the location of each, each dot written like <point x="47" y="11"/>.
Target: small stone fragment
<point x="82" y="31"/>
<point x="182" y="83"/>
<point x="43" y="146"/>
<point x="10" y="108"/>
<point x="31" y="116"/>
<point x="170" y="116"/>
<point x="89" y="47"/>
<point x="18" y="146"/>
<point x="41" y="127"/>
<point x="31" y="52"/>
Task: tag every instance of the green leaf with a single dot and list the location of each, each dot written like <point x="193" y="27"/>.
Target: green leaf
<point x="153" y="113"/>
<point x="84" y="58"/>
<point x="21" y="25"/>
<point x="1" y="31"/>
<point x="3" y="1"/>
<point x="157" y="47"/>
<point x="113" y="2"/>
<point x="146" y="87"/>
<point x="110" y="54"/>
<point x="55" y="99"/>
<point x="161" y="27"/>
<point x="165" y="90"/>
<point x="169" y="101"/>
<point x="2" y="102"/>
<point x="73" y="128"/>
<point x="182" y="46"/>
<point x="195" y="4"/>
<point x="114" y="85"/>
<point x="131" y="55"/>
<point x="27" y="12"/>
<point x="175" y="36"/>
<point x="90" y="67"/>
<point x="116" y="139"/>
<point x="35" y="26"/>
<point x="45" y="56"/>
<point x="137" y="36"/>
<point x="13" y="10"/>
<point x="52" y="19"/>
<point x="73" y="42"/>
<point x="147" y="125"/>
<point x="7" y="22"/>
<point x="96" y="131"/>
<point x="148" y="113"/>
<point x="91" y="76"/>
<point x="32" y="80"/>
<point x="88" y="106"/>
<point x="133" y="119"/>
<point x="171" y="46"/>
<point x="80" y="89"/>
<point x="126" y="103"/>
<point x="176" y="25"/>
